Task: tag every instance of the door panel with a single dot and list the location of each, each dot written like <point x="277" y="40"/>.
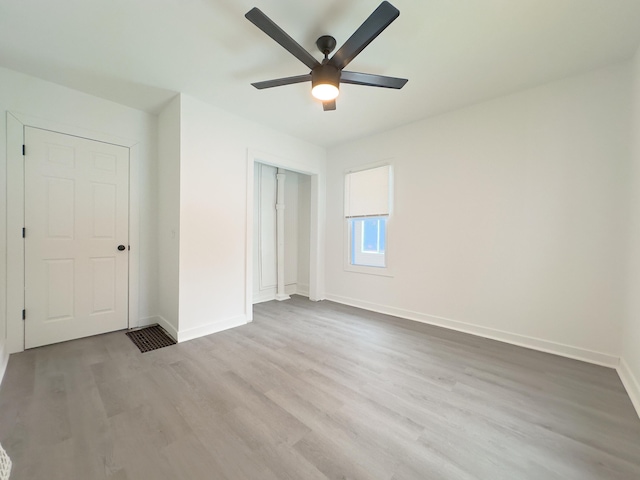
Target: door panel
<point x="76" y="215"/>
<point x="104" y="210"/>
<point x="60" y="284"/>
<point x="60" y="198"/>
<point x="104" y="285"/>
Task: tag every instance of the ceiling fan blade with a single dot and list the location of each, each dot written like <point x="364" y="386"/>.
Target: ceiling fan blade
<point x="278" y="82"/>
<point x="268" y="26"/>
<point x="329" y="105"/>
<point x="380" y="19"/>
<point x="370" y="80"/>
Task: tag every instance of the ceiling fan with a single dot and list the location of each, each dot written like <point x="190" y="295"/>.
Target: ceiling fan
<point x="327" y="75"/>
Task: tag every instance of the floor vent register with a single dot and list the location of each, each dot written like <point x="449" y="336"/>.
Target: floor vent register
<point x="150" y="338"/>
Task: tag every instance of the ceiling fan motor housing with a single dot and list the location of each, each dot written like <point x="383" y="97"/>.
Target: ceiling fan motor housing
<point x="325" y="74"/>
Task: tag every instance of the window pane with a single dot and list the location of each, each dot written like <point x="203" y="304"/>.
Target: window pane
<point x="368" y="240"/>
<point x="370" y="235"/>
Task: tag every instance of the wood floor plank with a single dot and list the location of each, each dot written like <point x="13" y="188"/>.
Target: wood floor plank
<point x="315" y="391"/>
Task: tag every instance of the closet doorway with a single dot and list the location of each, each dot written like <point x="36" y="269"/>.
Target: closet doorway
<point x="281" y="233"/>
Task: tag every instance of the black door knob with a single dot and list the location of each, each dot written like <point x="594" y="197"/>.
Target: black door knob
<point x="121" y="247"/>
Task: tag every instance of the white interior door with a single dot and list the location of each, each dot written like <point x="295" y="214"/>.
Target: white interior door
<point x="76" y="219"/>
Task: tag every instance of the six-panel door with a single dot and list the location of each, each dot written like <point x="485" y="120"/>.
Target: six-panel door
<point x="76" y="216"/>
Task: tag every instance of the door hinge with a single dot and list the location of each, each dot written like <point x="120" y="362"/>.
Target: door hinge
<point x="24" y="314"/>
<point x="24" y="232"/>
<point x="24" y="150"/>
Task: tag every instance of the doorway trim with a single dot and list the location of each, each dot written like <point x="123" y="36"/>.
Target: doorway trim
<point x="16" y="122"/>
<point x="317" y="223"/>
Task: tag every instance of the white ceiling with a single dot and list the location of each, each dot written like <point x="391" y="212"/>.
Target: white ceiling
<point x="454" y="53"/>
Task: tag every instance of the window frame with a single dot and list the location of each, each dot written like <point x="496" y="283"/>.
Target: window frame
<point x="385" y="271"/>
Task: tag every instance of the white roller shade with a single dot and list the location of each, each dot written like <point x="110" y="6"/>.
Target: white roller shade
<point x="367" y="192"/>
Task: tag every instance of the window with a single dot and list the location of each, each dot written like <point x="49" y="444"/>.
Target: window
<point x="368" y="240"/>
<point x="367" y="209"/>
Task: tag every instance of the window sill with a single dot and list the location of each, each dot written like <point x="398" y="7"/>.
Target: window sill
<point x="378" y="271"/>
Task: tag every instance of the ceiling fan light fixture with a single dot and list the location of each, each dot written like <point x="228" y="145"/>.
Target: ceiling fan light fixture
<point x="325" y="92"/>
<point x="325" y="82"/>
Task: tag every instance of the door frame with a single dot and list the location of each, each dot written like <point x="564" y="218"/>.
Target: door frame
<point x="317" y="223"/>
<point x="16" y="123"/>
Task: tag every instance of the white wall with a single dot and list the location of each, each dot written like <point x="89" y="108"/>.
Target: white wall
<point x="509" y="217"/>
<point x="57" y="105"/>
<point x="213" y="212"/>
<point x="169" y="215"/>
<point x="630" y="358"/>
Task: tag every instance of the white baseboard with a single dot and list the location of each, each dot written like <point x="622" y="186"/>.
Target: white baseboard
<point x="264" y="295"/>
<point x="4" y="359"/>
<point x="631" y="383"/>
<point x="210" y="328"/>
<point x="533" y="343"/>
<point x="145" y="322"/>
<point x="183" y="336"/>
<point x="163" y="322"/>
<point x="271" y="293"/>
<point x="302" y="290"/>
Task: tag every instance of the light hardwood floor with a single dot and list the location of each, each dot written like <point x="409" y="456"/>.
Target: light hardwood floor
<point x="315" y="391"/>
